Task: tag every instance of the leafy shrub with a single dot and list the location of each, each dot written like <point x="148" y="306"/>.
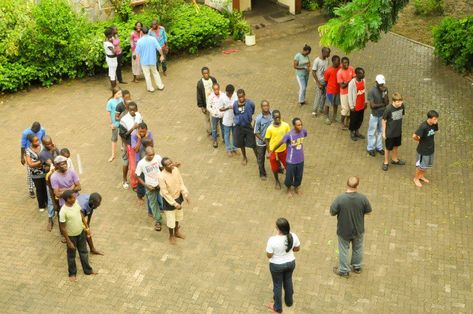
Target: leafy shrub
<point x="237" y="24"/>
<point x="454" y="43"/>
<point x="192" y="29"/>
<point x="331" y="5"/>
<point x="310" y="5"/>
<point x="48" y="41"/>
<point x="428" y="7"/>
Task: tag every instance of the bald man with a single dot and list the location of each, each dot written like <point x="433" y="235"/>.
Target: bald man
<point x="350" y="209"/>
<point x="150" y="167"/>
<point x="47" y="155"/>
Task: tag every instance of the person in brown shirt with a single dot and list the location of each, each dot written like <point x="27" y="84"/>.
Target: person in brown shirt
<point x="174" y="192"/>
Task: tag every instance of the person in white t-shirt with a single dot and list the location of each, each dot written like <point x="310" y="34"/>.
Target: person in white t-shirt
<point x="228" y="121"/>
<point x="216" y="115"/>
<point x="280" y="251"/>
<point x="150" y="167"/>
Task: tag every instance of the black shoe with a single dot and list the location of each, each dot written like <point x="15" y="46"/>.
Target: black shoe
<point x="357" y="270"/>
<point x="353" y="137"/>
<point x="122" y="82"/>
<point x="339" y="273"/>
<point x="372" y="153"/>
<point x="385" y="167"/>
<point x="398" y="162"/>
<point x="359" y="136"/>
<point x="380" y="151"/>
<point x="32" y="195"/>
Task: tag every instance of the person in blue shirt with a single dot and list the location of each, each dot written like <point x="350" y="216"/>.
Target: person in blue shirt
<point x="146" y="48"/>
<point x="243" y="110"/>
<point x="39" y="132"/>
<point x="158" y="32"/>
<point x="87" y="205"/>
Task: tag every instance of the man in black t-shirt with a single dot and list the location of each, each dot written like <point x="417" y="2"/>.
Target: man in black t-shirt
<point x="350" y="209"/>
<point x="392" y="130"/>
<point x="425" y="149"/>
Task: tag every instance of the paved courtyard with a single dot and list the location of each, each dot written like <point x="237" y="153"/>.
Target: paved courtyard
<point x="418" y="242"/>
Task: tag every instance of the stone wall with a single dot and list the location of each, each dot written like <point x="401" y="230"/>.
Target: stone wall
<point x="94" y="9"/>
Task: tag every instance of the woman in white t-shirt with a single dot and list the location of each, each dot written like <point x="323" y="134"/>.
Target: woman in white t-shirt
<point x="280" y="251"/>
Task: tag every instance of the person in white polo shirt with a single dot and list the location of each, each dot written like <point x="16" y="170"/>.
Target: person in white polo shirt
<point x="282" y="262"/>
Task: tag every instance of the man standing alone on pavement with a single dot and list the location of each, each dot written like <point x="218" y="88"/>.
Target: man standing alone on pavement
<point x="350" y="209"/>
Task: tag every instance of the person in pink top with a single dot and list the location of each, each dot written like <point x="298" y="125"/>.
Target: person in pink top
<point x="344" y="76"/>
<point x="118" y="53"/>
<point x="136" y="34"/>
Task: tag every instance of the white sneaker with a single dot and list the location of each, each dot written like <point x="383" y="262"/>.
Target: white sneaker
<point x="41" y="210"/>
<point x="125" y="185"/>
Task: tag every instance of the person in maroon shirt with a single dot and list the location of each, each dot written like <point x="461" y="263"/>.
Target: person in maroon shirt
<point x="333" y="89"/>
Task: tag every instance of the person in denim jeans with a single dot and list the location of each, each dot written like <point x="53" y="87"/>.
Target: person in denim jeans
<point x="350" y="209"/>
<point x="262" y="122"/>
<point x="213" y="107"/>
<point x="280" y="251"/>
<point x="228" y="122"/>
<point x="318" y="70"/>
<point x="302" y="66"/>
<point x="378" y="100"/>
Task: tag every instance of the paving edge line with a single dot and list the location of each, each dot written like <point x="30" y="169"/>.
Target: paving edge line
<point x="412" y="40"/>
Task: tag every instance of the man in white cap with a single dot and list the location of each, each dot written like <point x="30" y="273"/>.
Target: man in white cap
<point x="64" y="179"/>
<point x="378" y="100"/>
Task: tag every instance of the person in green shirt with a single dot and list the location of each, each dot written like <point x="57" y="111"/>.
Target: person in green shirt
<point x="73" y="226"/>
<point x="302" y="66"/>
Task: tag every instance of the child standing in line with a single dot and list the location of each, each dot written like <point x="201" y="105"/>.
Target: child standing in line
<point x="392" y="131"/>
<point x="425" y="149"/>
<point x="66" y="153"/>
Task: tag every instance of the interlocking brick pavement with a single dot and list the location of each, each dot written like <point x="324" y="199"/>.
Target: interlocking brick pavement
<point x="418" y="248"/>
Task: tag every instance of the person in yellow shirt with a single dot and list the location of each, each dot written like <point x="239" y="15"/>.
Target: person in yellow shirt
<point x="274" y="135"/>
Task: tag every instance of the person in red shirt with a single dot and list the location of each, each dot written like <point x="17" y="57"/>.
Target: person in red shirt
<point x="344" y="76"/>
<point x="357" y="102"/>
<point x="333" y="89"/>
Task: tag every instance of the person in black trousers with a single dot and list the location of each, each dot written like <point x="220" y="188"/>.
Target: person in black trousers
<point x="37" y="171"/>
<point x="280" y="251"/>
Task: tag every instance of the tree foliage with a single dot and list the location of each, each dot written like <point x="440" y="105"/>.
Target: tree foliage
<point x="360" y="21"/>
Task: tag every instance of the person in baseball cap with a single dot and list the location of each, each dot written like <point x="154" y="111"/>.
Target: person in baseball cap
<point x="378" y="100"/>
<point x="59" y="159"/>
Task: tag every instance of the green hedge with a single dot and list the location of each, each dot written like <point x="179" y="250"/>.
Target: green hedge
<point x="453" y="42"/>
<point x="46" y="42"/>
<point x="428" y="7"/>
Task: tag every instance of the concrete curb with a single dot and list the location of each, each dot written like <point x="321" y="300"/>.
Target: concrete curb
<point x="412" y="40"/>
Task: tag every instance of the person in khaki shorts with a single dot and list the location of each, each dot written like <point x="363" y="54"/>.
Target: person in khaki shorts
<point x="174" y="192"/>
<point x="344" y="76"/>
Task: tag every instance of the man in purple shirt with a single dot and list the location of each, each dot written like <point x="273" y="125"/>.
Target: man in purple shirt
<point x="39" y="132"/>
<point x="64" y="179"/>
<point x="137" y="137"/>
<point x="244" y="135"/>
<point x="295" y="156"/>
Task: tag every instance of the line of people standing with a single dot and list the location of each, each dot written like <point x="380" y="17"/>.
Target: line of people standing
<point x="268" y="136"/>
<point x="57" y="187"/>
<point x="340" y="85"/>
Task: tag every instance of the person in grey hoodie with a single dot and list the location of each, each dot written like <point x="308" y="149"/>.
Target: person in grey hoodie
<point x="357" y="101"/>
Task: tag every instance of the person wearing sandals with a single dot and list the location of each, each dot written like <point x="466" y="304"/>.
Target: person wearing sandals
<point x="425" y="150"/>
<point x="110" y="56"/>
<point x="282" y="262"/>
<point x="350" y="209"/>
<point x="174" y="192"/>
<point x="114" y="124"/>
<point x="135" y="35"/>
<point x="392" y="131"/>
<point x="150" y="167"/>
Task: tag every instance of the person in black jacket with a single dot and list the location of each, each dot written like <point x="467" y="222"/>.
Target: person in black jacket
<point x="204" y="89"/>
